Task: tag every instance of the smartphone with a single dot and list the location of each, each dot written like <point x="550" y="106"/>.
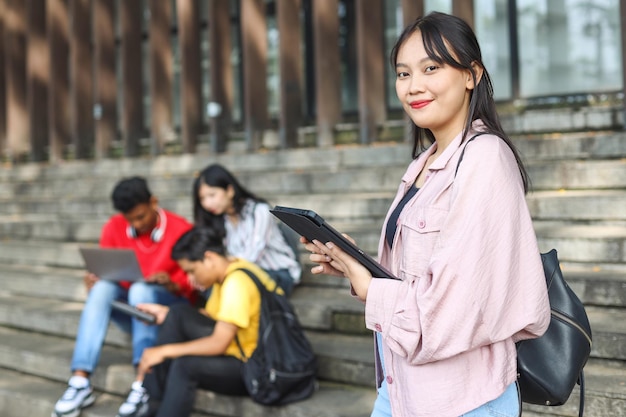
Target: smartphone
<point x="133" y="311"/>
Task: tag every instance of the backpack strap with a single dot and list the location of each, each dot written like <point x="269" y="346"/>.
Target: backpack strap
<point x="262" y="291"/>
<point x="463" y="151"/>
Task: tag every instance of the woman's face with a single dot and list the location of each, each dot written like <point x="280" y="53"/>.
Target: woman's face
<point x="435" y="96"/>
<point x="216" y="200"/>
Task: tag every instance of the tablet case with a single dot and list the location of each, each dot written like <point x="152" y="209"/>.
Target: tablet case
<point x="312" y="226"/>
<point x="112" y="264"/>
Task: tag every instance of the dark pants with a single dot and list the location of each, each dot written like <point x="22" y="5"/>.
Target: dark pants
<point x="172" y="384"/>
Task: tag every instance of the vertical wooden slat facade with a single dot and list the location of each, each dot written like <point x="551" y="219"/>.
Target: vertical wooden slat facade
<point x="57" y="23"/>
<point x="220" y="72"/>
<point x="254" y="56"/>
<point x="622" y="18"/>
<point x="371" y="69"/>
<point x="68" y="76"/>
<point x="81" y="79"/>
<point x="290" y="62"/>
<point x="131" y="110"/>
<point x="18" y="142"/>
<point x="3" y="115"/>
<point x="327" y="69"/>
<point x="465" y="10"/>
<point x="161" y="74"/>
<point x="411" y="10"/>
<point x="190" y="77"/>
<point x="105" y="97"/>
<point x="37" y="79"/>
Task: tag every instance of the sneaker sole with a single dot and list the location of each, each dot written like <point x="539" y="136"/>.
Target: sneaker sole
<point x="89" y="400"/>
<point x="142" y="410"/>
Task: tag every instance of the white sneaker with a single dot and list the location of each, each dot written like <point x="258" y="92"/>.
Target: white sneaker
<point x="78" y="395"/>
<point x="136" y="404"/>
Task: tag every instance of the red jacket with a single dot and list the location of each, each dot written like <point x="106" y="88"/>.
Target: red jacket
<point x="152" y="256"/>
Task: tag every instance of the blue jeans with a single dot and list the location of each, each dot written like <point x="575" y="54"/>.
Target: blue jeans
<point x="94" y="320"/>
<point x="506" y="405"/>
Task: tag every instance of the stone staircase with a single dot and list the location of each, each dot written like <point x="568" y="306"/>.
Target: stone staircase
<point x="46" y="212"/>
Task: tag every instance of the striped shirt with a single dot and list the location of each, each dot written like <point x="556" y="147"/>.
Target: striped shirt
<point x="257" y="238"/>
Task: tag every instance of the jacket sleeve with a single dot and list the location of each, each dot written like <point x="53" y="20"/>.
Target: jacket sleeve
<point x="484" y="282"/>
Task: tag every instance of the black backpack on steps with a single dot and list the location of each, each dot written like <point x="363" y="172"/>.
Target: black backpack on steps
<point x="282" y="368"/>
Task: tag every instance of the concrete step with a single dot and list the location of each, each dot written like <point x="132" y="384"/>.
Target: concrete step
<point x="341" y="358"/>
<point x="582" y="145"/>
<point x="330" y="312"/>
<point x="79" y="194"/>
<point x="45" y="360"/>
<point x="605" y="394"/>
<point x="578" y="205"/>
<point x="26" y="395"/>
<point x="583" y="244"/>
<point x="569" y="174"/>
<point x="57" y="318"/>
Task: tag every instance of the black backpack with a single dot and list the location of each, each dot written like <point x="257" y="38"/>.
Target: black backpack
<point x="282" y="368"/>
<point x="549" y="367"/>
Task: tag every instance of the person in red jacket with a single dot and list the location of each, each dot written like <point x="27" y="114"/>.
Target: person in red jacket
<point x="140" y="225"/>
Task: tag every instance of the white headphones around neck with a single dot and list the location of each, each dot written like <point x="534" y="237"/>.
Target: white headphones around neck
<point x="157" y="232"/>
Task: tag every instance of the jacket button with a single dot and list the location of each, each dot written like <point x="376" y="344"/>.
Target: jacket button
<point x="378" y="328"/>
<point x="421" y="224"/>
<point x="389" y="379"/>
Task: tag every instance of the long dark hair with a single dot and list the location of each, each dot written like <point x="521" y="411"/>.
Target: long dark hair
<point x="216" y="175"/>
<point x="446" y="37"/>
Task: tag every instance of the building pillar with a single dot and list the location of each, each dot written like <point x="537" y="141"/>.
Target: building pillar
<point x="371" y="68"/>
<point x="131" y="110"/>
<point x="622" y="18"/>
<point x="290" y="62"/>
<point x="37" y="79"/>
<point x="81" y="79"/>
<point x="18" y="143"/>
<point x="3" y="97"/>
<point x="254" y="48"/>
<point x="190" y="77"/>
<point x="161" y="75"/>
<point x="411" y="10"/>
<point x="105" y="110"/>
<point x="57" y="23"/>
<point x="221" y="73"/>
<point x="327" y="69"/>
<point x="465" y="10"/>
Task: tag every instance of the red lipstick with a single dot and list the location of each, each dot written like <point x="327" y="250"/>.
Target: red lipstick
<point x="418" y="104"/>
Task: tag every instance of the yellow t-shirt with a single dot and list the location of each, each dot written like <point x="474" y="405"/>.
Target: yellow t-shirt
<point x="237" y="300"/>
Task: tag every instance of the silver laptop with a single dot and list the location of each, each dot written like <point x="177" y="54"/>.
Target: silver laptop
<point x="112" y="264"/>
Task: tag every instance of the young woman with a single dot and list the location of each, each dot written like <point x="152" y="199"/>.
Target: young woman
<point x="459" y="237"/>
<point x="252" y="233"/>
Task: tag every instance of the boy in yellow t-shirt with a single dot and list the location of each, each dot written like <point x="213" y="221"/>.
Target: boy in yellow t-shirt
<point x="197" y="348"/>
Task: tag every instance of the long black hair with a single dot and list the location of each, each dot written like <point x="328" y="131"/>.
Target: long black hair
<point x="216" y="175"/>
<point x="450" y="40"/>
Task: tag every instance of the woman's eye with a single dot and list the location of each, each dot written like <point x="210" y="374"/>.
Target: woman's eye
<point x="402" y="74"/>
<point x="431" y="68"/>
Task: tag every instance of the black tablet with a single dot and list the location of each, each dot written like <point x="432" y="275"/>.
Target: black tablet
<point x="133" y="311"/>
<point x="312" y="226"/>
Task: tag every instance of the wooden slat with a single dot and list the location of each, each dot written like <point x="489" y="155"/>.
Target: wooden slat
<point x="58" y="90"/>
<point x="131" y="111"/>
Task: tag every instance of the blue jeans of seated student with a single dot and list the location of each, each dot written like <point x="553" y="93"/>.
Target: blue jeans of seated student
<point x="283" y="278"/>
<point x="506" y="405"/>
<point x="94" y="320"/>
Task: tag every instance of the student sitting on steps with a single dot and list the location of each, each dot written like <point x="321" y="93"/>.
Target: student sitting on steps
<point x="197" y="348"/>
<point x="140" y="225"/>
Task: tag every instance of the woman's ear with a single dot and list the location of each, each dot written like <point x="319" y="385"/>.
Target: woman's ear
<point x="478" y="72"/>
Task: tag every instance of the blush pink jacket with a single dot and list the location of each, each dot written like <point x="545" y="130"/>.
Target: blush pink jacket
<point x="471" y="283"/>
